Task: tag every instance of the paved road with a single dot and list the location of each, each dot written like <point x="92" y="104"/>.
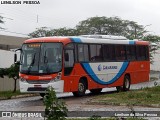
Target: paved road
<point x="73" y="103"/>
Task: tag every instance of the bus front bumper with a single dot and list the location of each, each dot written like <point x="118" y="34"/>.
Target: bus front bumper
<point x="41" y="88"/>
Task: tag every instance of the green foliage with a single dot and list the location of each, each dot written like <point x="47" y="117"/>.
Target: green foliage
<point x="95" y="117"/>
<point x="55" y="108"/>
<point x="41" y="32"/>
<point x="100" y="25"/>
<point x="111" y="26"/>
<point x="96" y="25"/>
<point x="10" y="94"/>
<point x="151" y="38"/>
<point x="44" y="31"/>
<point x="144" y="97"/>
<point x="13" y="71"/>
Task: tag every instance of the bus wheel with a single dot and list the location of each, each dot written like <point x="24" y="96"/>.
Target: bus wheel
<point x="81" y="89"/>
<point x="96" y="91"/>
<point x="126" y="83"/>
<point x="42" y="94"/>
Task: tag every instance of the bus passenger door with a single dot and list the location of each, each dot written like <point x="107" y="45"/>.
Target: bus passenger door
<point x="69" y="62"/>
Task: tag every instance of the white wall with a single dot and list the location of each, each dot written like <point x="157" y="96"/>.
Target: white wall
<point x="156" y="61"/>
<point x="7" y="58"/>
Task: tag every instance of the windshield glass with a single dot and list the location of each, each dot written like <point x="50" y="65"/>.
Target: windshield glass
<point x="41" y="58"/>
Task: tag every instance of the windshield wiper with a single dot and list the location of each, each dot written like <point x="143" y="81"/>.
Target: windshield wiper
<point x="32" y="63"/>
<point x="46" y="62"/>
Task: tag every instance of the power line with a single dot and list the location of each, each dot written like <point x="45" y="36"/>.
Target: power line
<point x="14" y="32"/>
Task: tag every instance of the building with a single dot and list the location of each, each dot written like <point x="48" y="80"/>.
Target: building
<point x="10" y="42"/>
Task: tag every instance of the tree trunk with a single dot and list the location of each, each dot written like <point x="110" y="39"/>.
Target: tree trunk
<point x="15" y="84"/>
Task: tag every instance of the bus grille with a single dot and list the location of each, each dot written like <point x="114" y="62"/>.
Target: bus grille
<point x="38" y="81"/>
<point x="36" y="89"/>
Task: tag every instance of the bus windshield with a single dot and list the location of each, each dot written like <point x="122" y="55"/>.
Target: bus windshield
<point x="41" y="58"/>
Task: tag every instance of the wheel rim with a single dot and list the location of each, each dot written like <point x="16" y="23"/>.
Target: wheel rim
<point x="81" y="87"/>
<point x="127" y="83"/>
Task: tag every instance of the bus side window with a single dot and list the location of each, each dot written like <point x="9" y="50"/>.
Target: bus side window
<point x="131" y="52"/>
<point x="69" y="59"/>
<point x="66" y="57"/>
<point x="108" y="52"/>
<point x="96" y="53"/>
<point x="120" y="52"/>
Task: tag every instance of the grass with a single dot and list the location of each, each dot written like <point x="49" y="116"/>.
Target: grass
<point x="143" y="97"/>
<point x="92" y="118"/>
<point x="9" y="94"/>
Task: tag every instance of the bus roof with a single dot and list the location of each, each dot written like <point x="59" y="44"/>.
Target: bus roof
<point x="88" y="39"/>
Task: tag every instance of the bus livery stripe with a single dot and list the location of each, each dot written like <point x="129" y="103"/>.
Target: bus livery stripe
<point x="77" y="40"/>
<point x="91" y="73"/>
<point x="131" y="42"/>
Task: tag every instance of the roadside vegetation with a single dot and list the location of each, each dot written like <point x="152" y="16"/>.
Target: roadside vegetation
<point x="10" y="94"/>
<point x="55" y="109"/>
<point x="142" y="97"/>
<point x="92" y="118"/>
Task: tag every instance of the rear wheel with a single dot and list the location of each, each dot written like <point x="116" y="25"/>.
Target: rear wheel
<point x="81" y="89"/>
<point x="126" y="83"/>
<point x="96" y="91"/>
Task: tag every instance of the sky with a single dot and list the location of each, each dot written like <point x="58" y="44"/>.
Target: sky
<point x="22" y="19"/>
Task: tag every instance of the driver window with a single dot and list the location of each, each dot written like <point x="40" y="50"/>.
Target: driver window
<point x="69" y="59"/>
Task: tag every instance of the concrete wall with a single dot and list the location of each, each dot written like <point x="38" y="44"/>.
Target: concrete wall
<point x="7" y="84"/>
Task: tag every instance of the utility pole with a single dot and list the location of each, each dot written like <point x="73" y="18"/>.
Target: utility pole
<point x="37" y="18"/>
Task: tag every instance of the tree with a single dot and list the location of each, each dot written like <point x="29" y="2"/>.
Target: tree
<point x="97" y="25"/>
<point x="151" y="38"/>
<point x="44" y="31"/>
<point x="111" y="26"/>
<point x="11" y="72"/>
<point x="55" y="108"/>
<point x="64" y="32"/>
<point x="41" y="32"/>
<point x="92" y="25"/>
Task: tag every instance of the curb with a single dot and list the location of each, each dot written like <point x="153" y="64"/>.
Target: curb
<point x="18" y="96"/>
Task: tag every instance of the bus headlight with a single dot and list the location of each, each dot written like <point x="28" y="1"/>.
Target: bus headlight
<point x="23" y="80"/>
<point x="57" y="78"/>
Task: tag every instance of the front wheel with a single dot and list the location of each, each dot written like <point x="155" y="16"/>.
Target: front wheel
<point x="81" y="89"/>
<point x="126" y="83"/>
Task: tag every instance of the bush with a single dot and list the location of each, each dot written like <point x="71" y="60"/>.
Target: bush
<point x="55" y="108"/>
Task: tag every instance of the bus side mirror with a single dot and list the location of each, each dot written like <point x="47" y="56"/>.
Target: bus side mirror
<point x="15" y="58"/>
<point x="66" y="57"/>
<point x="15" y="55"/>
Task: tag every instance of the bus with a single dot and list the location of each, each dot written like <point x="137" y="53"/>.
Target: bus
<point x="79" y="63"/>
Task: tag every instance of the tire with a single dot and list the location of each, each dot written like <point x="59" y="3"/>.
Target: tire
<point x="96" y="91"/>
<point x="126" y="83"/>
<point x="81" y="89"/>
<point x="42" y="94"/>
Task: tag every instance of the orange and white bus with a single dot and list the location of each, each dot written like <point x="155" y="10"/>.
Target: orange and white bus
<point x="77" y="64"/>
